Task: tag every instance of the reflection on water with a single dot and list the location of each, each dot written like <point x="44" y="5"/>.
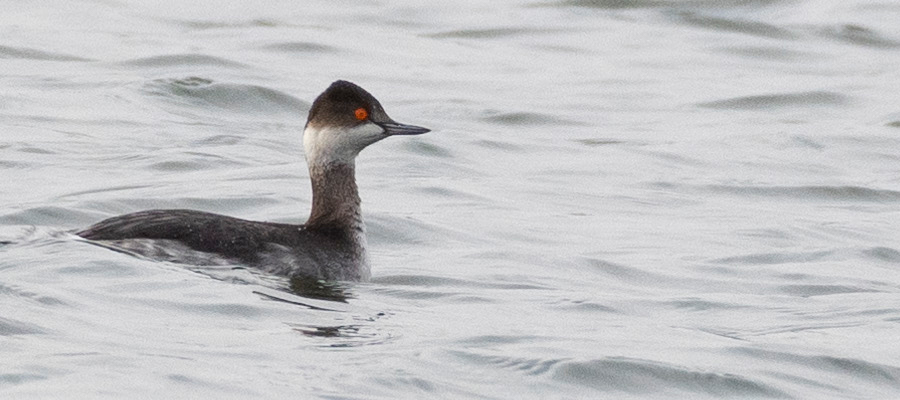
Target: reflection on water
<point x="365" y="331"/>
<point x="321" y="290"/>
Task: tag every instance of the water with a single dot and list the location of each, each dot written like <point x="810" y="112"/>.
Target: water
<point x="620" y="199"/>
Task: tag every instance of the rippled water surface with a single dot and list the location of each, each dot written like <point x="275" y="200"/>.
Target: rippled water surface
<point x="619" y="199"/>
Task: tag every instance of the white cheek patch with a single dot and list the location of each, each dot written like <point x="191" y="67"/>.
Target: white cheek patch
<point x="329" y="145"/>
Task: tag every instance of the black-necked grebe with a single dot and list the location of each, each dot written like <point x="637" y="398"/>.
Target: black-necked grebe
<point x="331" y="245"/>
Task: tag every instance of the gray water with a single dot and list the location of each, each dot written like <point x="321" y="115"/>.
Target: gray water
<point x="619" y="199"/>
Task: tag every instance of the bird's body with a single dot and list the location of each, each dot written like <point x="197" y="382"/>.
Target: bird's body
<point x="331" y="245"/>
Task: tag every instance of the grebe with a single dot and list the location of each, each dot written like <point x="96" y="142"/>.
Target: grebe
<point x="331" y="245"/>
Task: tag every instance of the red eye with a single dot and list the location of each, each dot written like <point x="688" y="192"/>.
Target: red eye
<point x="361" y="113"/>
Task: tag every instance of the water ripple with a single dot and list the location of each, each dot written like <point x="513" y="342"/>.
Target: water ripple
<point x="427" y="149"/>
<point x="768" y="53"/>
<point x="16" y="379"/>
<point x="883" y="254"/>
<point x="15" y="291"/>
<point x="205" y="24"/>
<point x="436" y="281"/>
<point x="46" y="216"/>
<point x="832" y="193"/>
<point x="859" y="35"/>
<point x="34" y="54"/>
<point x="611" y="4"/>
<point x="644" y="376"/>
<point x="822" y="290"/>
<point x="182" y="60"/>
<point x="859" y="369"/>
<point x="528" y="366"/>
<point x="779" y="100"/>
<point x="628" y="4"/>
<point x="10" y="327"/>
<point x="774" y="258"/>
<point x="527" y="118"/>
<point x="491" y="33"/>
<point x="231" y="310"/>
<point x="232" y="97"/>
<point x="363" y="331"/>
<point x="300" y="47"/>
<point x="753" y="28"/>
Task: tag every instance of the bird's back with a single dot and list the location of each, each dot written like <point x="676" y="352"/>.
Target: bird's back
<point x="283" y="249"/>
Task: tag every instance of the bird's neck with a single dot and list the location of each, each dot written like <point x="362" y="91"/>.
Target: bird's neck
<point x="335" y="197"/>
